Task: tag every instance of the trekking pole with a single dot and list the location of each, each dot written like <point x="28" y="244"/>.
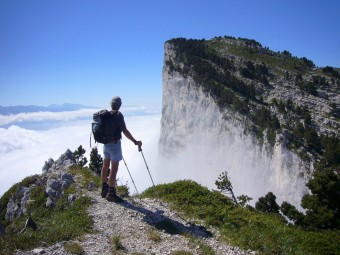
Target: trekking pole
<point x="130" y="176"/>
<point x="140" y="149"/>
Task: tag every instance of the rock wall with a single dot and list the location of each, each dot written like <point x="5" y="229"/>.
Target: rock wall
<point x="199" y="141"/>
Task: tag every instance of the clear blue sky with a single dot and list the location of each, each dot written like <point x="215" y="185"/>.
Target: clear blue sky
<point x="86" y="51"/>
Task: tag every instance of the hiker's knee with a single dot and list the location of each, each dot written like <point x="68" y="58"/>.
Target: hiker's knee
<point x="114" y="165"/>
<point x="106" y="164"/>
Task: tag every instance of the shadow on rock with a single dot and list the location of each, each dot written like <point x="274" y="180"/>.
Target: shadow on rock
<point x="162" y="222"/>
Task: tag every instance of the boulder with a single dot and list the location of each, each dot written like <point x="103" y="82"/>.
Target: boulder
<point x="56" y="186"/>
<point x="17" y="203"/>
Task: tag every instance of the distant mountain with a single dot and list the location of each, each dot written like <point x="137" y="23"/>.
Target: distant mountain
<point x="7" y="110"/>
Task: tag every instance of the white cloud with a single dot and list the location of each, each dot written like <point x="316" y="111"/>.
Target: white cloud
<point x="45" y="116"/>
<point x="63" y="116"/>
<point x="23" y="152"/>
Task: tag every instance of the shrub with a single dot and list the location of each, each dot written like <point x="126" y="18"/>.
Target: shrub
<point x="267" y="204"/>
<point x="116" y="242"/>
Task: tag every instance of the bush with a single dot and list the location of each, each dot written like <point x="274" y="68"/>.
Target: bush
<point x="323" y="205"/>
<point x="267" y="204"/>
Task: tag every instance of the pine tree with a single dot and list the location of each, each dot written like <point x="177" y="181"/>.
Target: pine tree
<point x="267" y="204"/>
<point x="224" y="185"/>
<point x="96" y="161"/>
<point x="323" y="204"/>
<point x="81" y="160"/>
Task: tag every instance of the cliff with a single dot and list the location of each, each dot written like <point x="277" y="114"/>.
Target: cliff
<point x="231" y="105"/>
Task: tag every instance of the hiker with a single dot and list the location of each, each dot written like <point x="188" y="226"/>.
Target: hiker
<point x="113" y="154"/>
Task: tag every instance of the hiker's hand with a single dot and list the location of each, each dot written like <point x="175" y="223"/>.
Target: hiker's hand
<point x="139" y="144"/>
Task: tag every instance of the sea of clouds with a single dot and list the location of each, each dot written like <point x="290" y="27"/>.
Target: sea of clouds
<point x="27" y="140"/>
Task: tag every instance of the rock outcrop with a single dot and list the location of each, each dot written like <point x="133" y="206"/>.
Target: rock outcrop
<point x="17" y="203"/>
<point x="56" y="185"/>
<point x="55" y="178"/>
<point x="64" y="162"/>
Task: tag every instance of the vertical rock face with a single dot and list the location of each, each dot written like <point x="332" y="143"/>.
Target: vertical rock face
<point x="198" y="141"/>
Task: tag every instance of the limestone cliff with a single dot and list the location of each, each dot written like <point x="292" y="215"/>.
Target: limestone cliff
<point x="212" y="117"/>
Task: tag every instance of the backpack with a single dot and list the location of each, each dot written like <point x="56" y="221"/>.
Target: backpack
<point x="104" y="126"/>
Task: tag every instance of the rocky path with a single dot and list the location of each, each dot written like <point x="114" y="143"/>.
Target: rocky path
<point x="142" y="226"/>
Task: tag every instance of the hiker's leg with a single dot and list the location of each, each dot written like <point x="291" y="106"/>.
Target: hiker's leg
<point x="105" y="170"/>
<point x="113" y="173"/>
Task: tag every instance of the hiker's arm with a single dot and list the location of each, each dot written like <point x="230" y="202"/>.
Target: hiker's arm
<point x="129" y="136"/>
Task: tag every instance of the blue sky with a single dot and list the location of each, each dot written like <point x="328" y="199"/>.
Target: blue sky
<point x="86" y="51"/>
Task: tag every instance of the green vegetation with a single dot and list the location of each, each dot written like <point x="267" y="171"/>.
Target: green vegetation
<point x="81" y="160"/>
<point x="123" y="191"/>
<point x="116" y="241"/>
<point x="323" y="204"/>
<point x="26" y="182"/>
<point x="223" y="183"/>
<point x="198" y="242"/>
<point x="267" y="204"/>
<point x="267" y="233"/>
<point x="74" y="248"/>
<point x="330" y="70"/>
<point x="63" y="222"/>
<point x="181" y="253"/>
<point x="85" y="174"/>
<point x="154" y="235"/>
<point x="252" y="50"/>
<point x="96" y="161"/>
<point x="168" y="226"/>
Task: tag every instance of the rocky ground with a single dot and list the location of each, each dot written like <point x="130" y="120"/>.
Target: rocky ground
<point x="142" y="226"/>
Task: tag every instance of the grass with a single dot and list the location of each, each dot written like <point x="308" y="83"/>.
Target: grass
<point x="7" y="195"/>
<point x="154" y="235"/>
<point x="74" y="248"/>
<point x="198" y="242"/>
<point x="116" y="242"/>
<point x="181" y="253"/>
<point x="244" y="227"/>
<point x="86" y="175"/>
<point x="63" y="222"/>
<point x="168" y="226"/>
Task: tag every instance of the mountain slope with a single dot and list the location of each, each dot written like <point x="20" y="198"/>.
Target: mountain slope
<point x="268" y="118"/>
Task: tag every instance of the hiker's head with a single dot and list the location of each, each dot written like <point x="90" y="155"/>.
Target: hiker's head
<point x="116" y="102"/>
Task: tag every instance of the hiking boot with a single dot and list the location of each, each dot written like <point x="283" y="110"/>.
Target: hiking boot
<point x="105" y="189"/>
<point x="112" y="196"/>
